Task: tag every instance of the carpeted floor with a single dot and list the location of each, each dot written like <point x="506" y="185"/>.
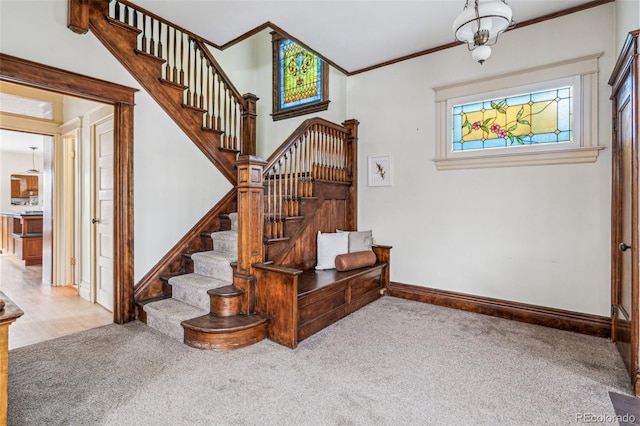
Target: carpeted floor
<point x="393" y="362"/>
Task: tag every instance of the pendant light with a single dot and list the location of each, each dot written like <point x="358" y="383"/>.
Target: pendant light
<point x="33" y="160"/>
<point x="479" y="26"/>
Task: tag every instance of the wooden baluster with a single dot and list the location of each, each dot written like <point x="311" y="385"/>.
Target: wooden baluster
<point x="189" y="73"/>
<point x="152" y="42"/>
<point x="125" y="19"/>
<point x="209" y="97"/>
<point x="296" y="176"/>
<point x="323" y="140"/>
<point x="267" y="222"/>
<point x="219" y="103"/>
<point x="275" y="203"/>
<point x="144" y="33"/>
<point x="135" y="18"/>
<point x="235" y="126"/>
<point x="160" y="44"/>
<point x="180" y="56"/>
<point x="116" y="11"/>
<point x="201" y="101"/>
<point x="226" y="116"/>
<point x="285" y="194"/>
<point x="280" y="200"/>
<point x="173" y="75"/>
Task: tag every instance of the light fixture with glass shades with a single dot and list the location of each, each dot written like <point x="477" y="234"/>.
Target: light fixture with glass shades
<point x="480" y="25"/>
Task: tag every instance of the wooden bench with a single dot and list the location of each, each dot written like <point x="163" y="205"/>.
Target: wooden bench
<point x="300" y="303"/>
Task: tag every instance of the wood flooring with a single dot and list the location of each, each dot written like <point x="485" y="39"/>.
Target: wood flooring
<point x="49" y="312"/>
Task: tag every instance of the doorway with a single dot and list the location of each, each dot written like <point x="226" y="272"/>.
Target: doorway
<point x="43" y="77"/>
<point x="624" y="210"/>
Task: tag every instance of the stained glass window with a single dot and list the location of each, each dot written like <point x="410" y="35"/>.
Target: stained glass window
<point x="300" y="80"/>
<point x="543" y="117"/>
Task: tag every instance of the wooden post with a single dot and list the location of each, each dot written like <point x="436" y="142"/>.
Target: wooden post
<point x="249" y="125"/>
<point x="250" y="226"/>
<point x="352" y="149"/>
<point x="78" y="16"/>
<point x="8" y="315"/>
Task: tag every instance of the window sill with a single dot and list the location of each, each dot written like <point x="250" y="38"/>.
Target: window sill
<point x="565" y="156"/>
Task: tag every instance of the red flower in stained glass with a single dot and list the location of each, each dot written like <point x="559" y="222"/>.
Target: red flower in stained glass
<point x="477" y="125"/>
<point x="495" y="128"/>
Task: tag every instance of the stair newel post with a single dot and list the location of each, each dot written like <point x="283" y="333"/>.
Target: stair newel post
<point x="250" y="226"/>
<point x="249" y="125"/>
<point x="78" y="16"/>
<point x="351" y="153"/>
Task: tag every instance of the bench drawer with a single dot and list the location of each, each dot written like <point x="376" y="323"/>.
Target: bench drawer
<point x="319" y="307"/>
<point x="365" y="283"/>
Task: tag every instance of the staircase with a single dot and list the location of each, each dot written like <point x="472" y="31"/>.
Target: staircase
<point x="204" y="309"/>
<point x="203" y="291"/>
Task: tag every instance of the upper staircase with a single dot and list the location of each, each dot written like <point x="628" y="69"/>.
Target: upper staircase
<point x="178" y="70"/>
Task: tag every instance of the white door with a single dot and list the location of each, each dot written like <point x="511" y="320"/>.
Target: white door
<point x="103" y="212"/>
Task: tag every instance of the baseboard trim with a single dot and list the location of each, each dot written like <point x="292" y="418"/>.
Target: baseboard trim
<point x="592" y="325"/>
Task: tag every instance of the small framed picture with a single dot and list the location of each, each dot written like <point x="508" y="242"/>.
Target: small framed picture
<point x="380" y="170"/>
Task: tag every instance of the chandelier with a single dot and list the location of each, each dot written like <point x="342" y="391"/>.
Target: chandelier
<point x="479" y="26"/>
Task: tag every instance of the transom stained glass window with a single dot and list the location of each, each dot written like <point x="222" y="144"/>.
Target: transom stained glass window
<point x="543" y="117"/>
<point x="300" y="75"/>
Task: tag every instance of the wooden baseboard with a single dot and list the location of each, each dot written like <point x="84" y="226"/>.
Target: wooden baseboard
<point x="593" y="325"/>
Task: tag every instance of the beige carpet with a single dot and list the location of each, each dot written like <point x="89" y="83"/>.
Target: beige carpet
<point x="395" y="362"/>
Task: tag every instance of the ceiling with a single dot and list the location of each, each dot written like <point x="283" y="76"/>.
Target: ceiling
<point x="20" y="142"/>
<point x="352" y="34"/>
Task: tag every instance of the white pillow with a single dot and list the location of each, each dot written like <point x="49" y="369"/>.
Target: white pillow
<point x="359" y="240"/>
<point x="329" y="246"/>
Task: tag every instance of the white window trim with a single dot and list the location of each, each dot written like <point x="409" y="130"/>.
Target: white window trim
<point x="583" y="149"/>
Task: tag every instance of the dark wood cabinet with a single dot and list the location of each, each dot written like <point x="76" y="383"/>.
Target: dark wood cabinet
<point x="21" y="236"/>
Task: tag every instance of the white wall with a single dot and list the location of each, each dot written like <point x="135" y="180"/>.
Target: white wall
<point x="16" y="163"/>
<point x="536" y="235"/>
<point x="174" y="184"/>
<point x="627" y="19"/>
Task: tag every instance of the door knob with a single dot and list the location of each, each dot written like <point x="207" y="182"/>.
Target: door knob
<point x="94" y="221"/>
<point x="623" y="247"/>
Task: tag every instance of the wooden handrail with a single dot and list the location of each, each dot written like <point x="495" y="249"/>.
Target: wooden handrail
<point x="295" y="135"/>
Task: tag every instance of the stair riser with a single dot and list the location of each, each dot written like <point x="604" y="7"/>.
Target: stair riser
<point x="226" y="306"/>
<point x="220" y="270"/>
<point x="225" y="341"/>
<point x="192" y="296"/>
<point x="228" y="245"/>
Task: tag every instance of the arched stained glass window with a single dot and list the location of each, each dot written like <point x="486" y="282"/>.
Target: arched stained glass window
<point x="300" y="80"/>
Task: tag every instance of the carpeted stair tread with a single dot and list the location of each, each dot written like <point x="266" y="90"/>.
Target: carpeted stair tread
<point x="214" y="264"/>
<point x="193" y="288"/>
<point x="213" y="324"/>
<point x="167" y="315"/>
<point x="225" y="241"/>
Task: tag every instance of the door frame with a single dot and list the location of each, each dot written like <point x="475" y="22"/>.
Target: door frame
<point x="627" y="64"/>
<point x="44" y="77"/>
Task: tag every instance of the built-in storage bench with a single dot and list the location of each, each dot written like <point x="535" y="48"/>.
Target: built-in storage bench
<point x="300" y="303"/>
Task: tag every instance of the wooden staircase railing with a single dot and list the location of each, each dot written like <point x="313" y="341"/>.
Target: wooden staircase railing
<point x="271" y="193"/>
<point x="318" y="150"/>
<point x="193" y="88"/>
